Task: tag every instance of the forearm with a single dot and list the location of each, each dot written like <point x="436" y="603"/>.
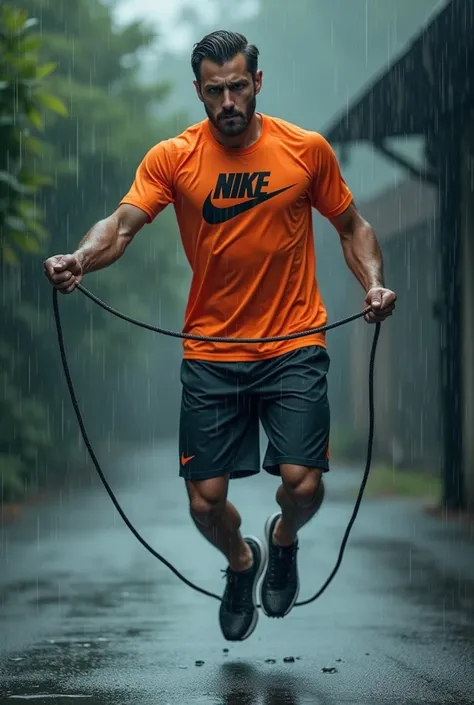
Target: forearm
<point x="363" y="255"/>
<point x="103" y="245"/>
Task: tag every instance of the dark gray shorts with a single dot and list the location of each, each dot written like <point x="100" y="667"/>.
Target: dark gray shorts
<point x="222" y="403"/>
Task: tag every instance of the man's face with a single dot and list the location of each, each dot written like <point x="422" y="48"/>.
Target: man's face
<point x="229" y="94"/>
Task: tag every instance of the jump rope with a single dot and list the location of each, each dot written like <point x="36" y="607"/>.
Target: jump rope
<point x="189" y="336"/>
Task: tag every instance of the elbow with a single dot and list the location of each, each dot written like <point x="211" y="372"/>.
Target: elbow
<point x="124" y="230"/>
<point x="361" y="231"/>
<point x="128" y="221"/>
<point x="346" y="236"/>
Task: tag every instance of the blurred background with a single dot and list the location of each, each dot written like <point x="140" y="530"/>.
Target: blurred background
<point x="87" y="87"/>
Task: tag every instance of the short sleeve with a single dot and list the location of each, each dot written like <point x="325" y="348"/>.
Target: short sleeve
<point x="329" y="192"/>
<point x="152" y="189"/>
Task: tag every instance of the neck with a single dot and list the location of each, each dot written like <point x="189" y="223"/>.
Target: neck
<point x="242" y="141"/>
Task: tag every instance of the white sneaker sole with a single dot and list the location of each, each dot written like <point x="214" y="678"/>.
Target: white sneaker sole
<point x="261" y="569"/>
<point x="268" y="540"/>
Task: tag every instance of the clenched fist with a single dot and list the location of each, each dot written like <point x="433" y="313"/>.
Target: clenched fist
<point x="382" y="301"/>
<point x="64" y="272"/>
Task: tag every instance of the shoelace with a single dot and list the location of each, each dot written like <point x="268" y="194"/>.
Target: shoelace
<point x="239" y="592"/>
<point x="280" y="566"/>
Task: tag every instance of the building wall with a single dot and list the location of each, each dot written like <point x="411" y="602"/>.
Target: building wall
<point x="414" y="396"/>
<point x="407" y="389"/>
<point x="467" y="216"/>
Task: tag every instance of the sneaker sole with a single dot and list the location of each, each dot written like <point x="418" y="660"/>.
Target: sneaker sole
<point x="268" y="539"/>
<point x="261" y="569"/>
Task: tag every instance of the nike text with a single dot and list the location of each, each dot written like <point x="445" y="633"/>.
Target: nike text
<point x="241" y="185"/>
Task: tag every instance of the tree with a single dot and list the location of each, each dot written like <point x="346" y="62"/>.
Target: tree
<point x="91" y="160"/>
<point x="112" y="124"/>
<point x="22" y="100"/>
<point x="24" y="431"/>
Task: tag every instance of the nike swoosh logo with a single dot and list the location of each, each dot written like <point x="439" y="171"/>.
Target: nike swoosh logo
<point x="215" y="216"/>
<point x="185" y="460"/>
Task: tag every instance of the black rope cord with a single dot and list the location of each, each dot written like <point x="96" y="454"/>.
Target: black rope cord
<point x="189" y="336"/>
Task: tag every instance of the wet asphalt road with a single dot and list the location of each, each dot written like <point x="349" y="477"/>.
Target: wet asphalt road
<point x="86" y="613"/>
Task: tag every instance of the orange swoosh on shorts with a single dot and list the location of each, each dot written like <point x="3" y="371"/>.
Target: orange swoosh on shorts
<point x="185" y="460"/>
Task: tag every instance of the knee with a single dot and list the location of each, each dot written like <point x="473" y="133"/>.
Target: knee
<point x="206" y="500"/>
<point x="309" y="490"/>
<point x="305" y="487"/>
<point x="204" y="510"/>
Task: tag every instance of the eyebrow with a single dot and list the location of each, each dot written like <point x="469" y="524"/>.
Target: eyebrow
<point x="226" y="83"/>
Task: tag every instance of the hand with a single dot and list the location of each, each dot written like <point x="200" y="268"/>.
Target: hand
<point x="382" y="302"/>
<point x="64" y="272"/>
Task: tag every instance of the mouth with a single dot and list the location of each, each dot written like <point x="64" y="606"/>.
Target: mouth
<point x="229" y="117"/>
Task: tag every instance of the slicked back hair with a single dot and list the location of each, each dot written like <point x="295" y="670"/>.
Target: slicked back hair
<point x="221" y="46"/>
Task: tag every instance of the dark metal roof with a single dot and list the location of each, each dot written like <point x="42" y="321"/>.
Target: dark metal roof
<point x="432" y="78"/>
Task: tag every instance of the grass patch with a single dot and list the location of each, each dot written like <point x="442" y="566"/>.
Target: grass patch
<point x="386" y="481"/>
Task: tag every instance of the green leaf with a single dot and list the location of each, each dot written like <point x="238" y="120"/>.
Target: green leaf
<point x="27" y="67"/>
<point x="46" y="69"/>
<point x="37" y="228"/>
<point x="34" y="145"/>
<point x="26" y="209"/>
<point x="32" y="180"/>
<point x="36" y="118"/>
<point x="26" y="242"/>
<point x="14" y="20"/>
<point x="9" y="256"/>
<point x="31" y="45"/>
<point x="53" y="103"/>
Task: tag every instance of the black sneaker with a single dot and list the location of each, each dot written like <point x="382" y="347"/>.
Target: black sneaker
<point x="280" y="586"/>
<point x="238" y="614"/>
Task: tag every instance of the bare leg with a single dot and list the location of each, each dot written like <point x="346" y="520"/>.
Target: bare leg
<point x="218" y="520"/>
<point x="299" y="496"/>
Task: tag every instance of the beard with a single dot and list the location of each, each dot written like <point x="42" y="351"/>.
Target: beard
<point x="234" y="122"/>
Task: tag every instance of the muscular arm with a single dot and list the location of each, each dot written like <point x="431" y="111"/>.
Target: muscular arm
<point x="360" y="247"/>
<point x="364" y="258"/>
<point x="108" y="239"/>
<point x="330" y="194"/>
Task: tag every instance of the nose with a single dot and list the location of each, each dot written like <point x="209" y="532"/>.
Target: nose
<point x="227" y="103"/>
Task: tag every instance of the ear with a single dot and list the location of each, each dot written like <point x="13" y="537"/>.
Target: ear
<point x="258" y="81"/>
<point x="198" y="91"/>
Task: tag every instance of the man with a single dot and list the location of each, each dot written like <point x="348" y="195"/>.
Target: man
<point x="243" y="186"/>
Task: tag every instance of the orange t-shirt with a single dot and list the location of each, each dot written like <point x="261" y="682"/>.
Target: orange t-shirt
<point x="245" y="220"/>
